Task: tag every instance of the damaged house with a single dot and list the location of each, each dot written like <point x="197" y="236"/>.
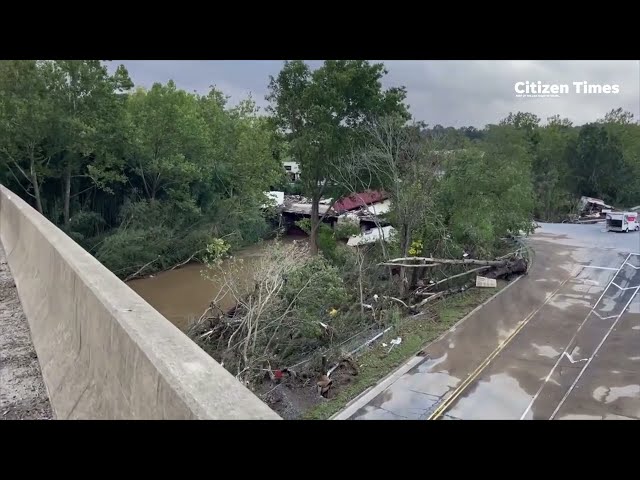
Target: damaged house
<point x="366" y="209"/>
<point x="592" y="208"/>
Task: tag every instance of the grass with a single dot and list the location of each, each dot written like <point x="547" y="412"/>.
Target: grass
<point x="378" y="362"/>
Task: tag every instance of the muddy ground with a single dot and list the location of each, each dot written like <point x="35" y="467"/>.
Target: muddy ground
<point x="23" y="395"/>
<point x="292" y="397"/>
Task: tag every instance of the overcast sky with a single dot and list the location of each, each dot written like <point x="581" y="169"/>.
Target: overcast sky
<point x="456" y="93"/>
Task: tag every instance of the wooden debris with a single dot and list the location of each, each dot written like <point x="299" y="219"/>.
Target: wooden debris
<point x="324" y="384"/>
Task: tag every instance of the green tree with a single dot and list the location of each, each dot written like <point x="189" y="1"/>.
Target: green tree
<point x="596" y="162"/>
<point x="486" y="192"/>
<point x="321" y="113"/>
<point x="550" y="168"/>
<point x="168" y="140"/>
<point x="86" y="102"/>
<point x="26" y="113"/>
<point x="621" y="125"/>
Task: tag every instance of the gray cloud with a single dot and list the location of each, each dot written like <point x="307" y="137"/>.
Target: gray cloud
<point x="453" y="93"/>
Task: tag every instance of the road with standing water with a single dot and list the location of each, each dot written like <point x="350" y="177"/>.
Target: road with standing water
<point x="562" y="342"/>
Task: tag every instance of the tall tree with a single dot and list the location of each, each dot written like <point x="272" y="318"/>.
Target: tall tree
<point x="85" y="96"/>
<point x="322" y="112"/>
<point x="169" y="143"/>
<point x="486" y="191"/>
<point x="26" y="113"/>
<point x="408" y="168"/>
<point x="596" y="162"/>
<point x="550" y="168"/>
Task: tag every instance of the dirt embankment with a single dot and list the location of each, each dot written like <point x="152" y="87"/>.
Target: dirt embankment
<point x="23" y="395"/>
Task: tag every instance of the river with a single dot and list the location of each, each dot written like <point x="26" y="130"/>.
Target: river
<point x="181" y="295"/>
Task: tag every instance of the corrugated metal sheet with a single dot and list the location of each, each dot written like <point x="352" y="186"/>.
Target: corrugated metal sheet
<point x="356" y="200"/>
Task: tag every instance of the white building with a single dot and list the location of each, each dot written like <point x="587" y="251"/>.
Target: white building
<point x="293" y="170"/>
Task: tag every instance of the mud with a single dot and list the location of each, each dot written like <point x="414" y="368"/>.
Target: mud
<point x="23" y="395"/>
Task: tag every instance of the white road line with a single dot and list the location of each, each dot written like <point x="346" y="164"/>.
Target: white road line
<point x="572" y="339"/>
<point x="632" y="266"/>
<point x="599" y="268"/>
<point x="592" y="356"/>
<point x="603" y="318"/>
<point x="623" y="288"/>
<point x="572" y="360"/>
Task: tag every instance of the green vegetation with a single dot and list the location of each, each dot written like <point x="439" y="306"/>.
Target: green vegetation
<point x="149" y="179"/>
<point x="379" y="361"/>
<point x="140" y="178"/>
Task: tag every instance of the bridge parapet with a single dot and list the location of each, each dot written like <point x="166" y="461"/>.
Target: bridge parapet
<point x="105" y="353"/>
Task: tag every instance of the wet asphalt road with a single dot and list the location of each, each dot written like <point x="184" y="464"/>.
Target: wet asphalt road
<point x="564" y="342"/>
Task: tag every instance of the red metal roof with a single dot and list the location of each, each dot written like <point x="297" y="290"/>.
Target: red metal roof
<point x="355" y="201"/>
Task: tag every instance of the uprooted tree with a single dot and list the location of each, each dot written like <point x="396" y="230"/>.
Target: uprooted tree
<point x="272" y="312"/>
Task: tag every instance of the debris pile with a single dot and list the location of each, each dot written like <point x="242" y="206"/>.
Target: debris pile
<point x="590" y="210"/>
<point x="426" y="292"/>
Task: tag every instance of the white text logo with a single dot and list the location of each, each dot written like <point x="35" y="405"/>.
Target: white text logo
<point x="552" y="90"/>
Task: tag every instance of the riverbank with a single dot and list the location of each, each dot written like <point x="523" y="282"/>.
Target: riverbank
<point x="297" y="400"/>
<point x="183" y="294"/>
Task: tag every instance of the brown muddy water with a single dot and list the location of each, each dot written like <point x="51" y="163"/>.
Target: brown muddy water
<point x="183" y="294"/>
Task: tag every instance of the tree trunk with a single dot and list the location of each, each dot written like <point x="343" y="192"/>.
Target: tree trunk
<point x="67" y="193"/>
<point x="406" y="245"/>
<point x="36" y="185"/>
<point x="315" y="224"/>
<point x="360" y="262"/>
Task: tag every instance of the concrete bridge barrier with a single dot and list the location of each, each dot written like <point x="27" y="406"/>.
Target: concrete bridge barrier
<point x="105" y="353"/>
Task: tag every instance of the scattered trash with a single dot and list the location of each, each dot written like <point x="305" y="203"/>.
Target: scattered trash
<point x="486" y="282"/>
<point x="384" y="345"/>
<point x="394" y="342"/>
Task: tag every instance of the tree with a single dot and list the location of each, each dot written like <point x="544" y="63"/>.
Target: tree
<point x="522" y="120"/>
<point x="596" y="162"/>
<point x="407" y="168"/>
<point x="486" y="192"/>
<point x="619" y="116"/>
<point x="26" y="111"/>
<point x="86" y="103"/>
<point x="550" y="168"/>
<point x="168" y="140"/>
<point x="621" y="125"/>
<point x="322" y="113"/>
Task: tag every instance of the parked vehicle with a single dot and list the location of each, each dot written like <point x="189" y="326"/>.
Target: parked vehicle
<point x="622" y="222"/>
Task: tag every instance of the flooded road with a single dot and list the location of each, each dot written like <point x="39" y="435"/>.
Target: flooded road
<point x="182" y="295"/>
<point x="560" y="344"/>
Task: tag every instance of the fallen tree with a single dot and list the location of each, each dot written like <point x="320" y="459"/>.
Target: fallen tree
<point x="430" y="262"/>
<point x="504" y="267"/>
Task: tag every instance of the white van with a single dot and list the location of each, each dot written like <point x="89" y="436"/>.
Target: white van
<point x="622" y="221"/>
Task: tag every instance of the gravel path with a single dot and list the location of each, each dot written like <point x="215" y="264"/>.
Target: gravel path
<point x="23" y="395"/>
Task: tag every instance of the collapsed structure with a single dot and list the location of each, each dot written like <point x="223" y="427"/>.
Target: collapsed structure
<point x="592" y="208"/>
<point x="365" y="209"/>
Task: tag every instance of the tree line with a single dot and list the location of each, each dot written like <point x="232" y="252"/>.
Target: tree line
<point x="134" y="175"/>
<point x="149" y="177"/>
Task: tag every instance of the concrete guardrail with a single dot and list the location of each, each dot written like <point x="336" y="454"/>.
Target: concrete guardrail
<point x="105" y="353"/>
